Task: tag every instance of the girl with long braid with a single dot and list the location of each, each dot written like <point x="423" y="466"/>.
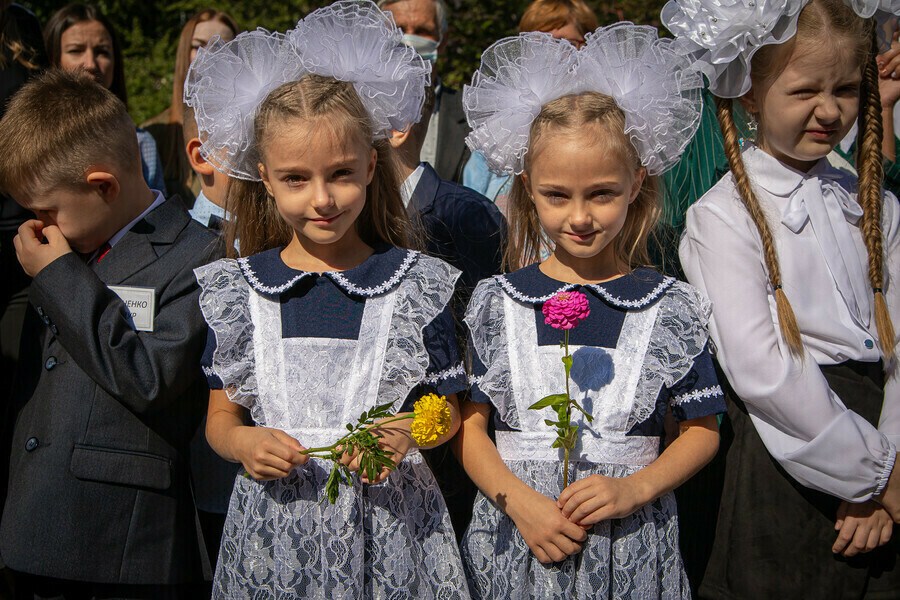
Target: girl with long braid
<point x="799" y="260"/>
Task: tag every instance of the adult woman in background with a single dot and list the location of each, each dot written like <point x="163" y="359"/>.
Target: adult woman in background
<point x="79" y="37"/>
<point x="166" y="127"/>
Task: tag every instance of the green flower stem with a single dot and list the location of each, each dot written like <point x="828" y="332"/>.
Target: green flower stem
<point x="331" y="448"/>
<point x="327" y="452"/>
<point x="568" y="416"/>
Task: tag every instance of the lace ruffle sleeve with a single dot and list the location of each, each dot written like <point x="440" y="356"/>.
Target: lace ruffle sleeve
<point x="679" y="336"/>
<point x="490" y="378"/>
<point x="425" y="292"/>
<point x="224" y="302"/>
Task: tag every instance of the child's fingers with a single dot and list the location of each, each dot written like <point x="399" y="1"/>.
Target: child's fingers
<point x="841" y="515"/>
<point x="574" y="488"/>
<point x="590" y="505"/>
<point x="554" y="553"/>
<point x="54" y="236"/>
<point x="566" y="545"/>
<point x="541" y="555"/>
<point x="574" y="532"/>
<point x="845" y="535"/>
<point x="29" y="235"/>
<point x="874" y="539"/>
<point x="287" y="440"/>
<point x="887" y="532"/>
<point x="295" y="458"/>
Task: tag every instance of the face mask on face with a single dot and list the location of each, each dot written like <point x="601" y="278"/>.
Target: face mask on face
<point x="427" y="49"/>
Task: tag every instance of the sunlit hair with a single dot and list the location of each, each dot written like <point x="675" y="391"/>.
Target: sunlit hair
<point x="849" y="38"/>
<point x="80" y="13"/>
<point x="336" y="110"/>
<point x="11" y="45"/>
<point x="59" y="125"/>
<point x="183" y="55"/>
<point x="571" y="115"/>
<point x="547" y="15"/>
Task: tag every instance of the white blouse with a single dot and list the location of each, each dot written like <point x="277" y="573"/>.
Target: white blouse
<point x="814" y="220"/>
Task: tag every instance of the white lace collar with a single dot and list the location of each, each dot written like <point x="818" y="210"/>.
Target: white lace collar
<point x="640" y="288"/>
<point x="267" y="274"/>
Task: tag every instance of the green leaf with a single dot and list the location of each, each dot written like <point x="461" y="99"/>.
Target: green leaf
<point x="557" y="443"/>
<point x="578" y="406"/>
<point x="551" y="400"/>
<point x="567" y="361"/>
<point x="349" y="427"/>
<point x="332" y="485"/>
<point x="562" y="411"/>
<point x="550" y="423"/>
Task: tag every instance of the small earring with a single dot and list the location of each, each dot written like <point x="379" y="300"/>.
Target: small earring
<point x="752" y="127"/>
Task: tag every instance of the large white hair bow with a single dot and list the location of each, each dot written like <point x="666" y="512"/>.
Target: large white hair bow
<point x="723" y="35"/>
<point x="351" y="40"/>
<point x="655" y="87"/>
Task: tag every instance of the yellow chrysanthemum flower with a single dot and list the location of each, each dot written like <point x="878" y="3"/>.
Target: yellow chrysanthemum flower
<point x="432" y="419"/>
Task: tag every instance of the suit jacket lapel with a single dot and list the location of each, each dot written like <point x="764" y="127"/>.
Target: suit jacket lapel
<point x="426" y="190"/>
<point x="143" y="243"/>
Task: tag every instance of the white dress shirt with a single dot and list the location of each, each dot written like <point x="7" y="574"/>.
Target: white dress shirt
<point x="408" y="187"/>
<point x="814" y="221"/>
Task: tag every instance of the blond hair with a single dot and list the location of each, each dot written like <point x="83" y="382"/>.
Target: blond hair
<point x="58" y="126"/>
<point x="818" y="18"/>
<point x="573" y="113"/>
<point x="257" y="222"/>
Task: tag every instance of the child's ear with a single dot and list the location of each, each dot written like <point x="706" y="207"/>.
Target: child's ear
<point x="104" y="183"/>
<point x="398" y="138"/>
<point x="750" y="103"/>
<point x="526" y="182"/>
<point x="198" y="163"/>
<point x="373" y="160"/>
<point x="265" y="178"/>
<point x="639" y="177"/>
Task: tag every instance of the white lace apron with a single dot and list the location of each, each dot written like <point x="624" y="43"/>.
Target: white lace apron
<point x="537" y="371"/>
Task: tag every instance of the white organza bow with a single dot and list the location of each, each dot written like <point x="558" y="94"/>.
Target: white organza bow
<point x="723" y="35"/>
<point x="351" y="40"/>
<point x="654" y="86"/>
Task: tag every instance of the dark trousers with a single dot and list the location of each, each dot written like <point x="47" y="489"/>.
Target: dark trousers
<point x="32" y="587"/>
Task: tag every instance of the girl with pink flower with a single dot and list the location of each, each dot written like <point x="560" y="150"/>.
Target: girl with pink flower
<point x="584" y="132"/>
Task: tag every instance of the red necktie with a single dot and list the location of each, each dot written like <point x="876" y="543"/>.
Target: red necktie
<point x="102" y="251"/>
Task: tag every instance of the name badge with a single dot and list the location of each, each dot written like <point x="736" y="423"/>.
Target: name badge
<point x="141" y="304"/>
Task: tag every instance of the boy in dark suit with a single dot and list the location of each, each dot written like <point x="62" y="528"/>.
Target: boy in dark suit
<point x="109" y="390"/>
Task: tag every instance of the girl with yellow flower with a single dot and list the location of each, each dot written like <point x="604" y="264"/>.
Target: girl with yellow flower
<point x="327" y="320"/>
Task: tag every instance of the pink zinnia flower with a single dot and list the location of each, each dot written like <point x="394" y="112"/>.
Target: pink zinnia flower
<point x="566" y="310"/>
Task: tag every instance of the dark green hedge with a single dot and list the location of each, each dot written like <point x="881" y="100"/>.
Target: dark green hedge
<point x="150" y="30"/>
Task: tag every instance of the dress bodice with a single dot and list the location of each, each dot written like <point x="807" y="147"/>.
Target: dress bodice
<point x="284" y="351"/>
<point x="642" y="348"/>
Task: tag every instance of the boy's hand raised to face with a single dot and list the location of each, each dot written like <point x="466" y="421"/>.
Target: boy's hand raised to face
<point x="33" y="252"/>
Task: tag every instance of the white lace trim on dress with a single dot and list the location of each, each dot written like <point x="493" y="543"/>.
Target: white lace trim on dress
<point x="649" y="297"/>
<point x="337" y="276"/>
<point x="695" y="395"/>
<point x="455" y="371"/>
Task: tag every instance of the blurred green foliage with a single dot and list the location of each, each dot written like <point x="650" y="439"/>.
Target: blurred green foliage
<point x="150" y="30"/>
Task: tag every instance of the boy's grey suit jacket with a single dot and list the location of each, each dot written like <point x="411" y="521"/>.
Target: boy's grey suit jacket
<point x="98" y="486"/>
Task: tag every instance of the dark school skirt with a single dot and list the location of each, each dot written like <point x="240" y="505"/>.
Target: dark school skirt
<point x="774" y="536"/>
